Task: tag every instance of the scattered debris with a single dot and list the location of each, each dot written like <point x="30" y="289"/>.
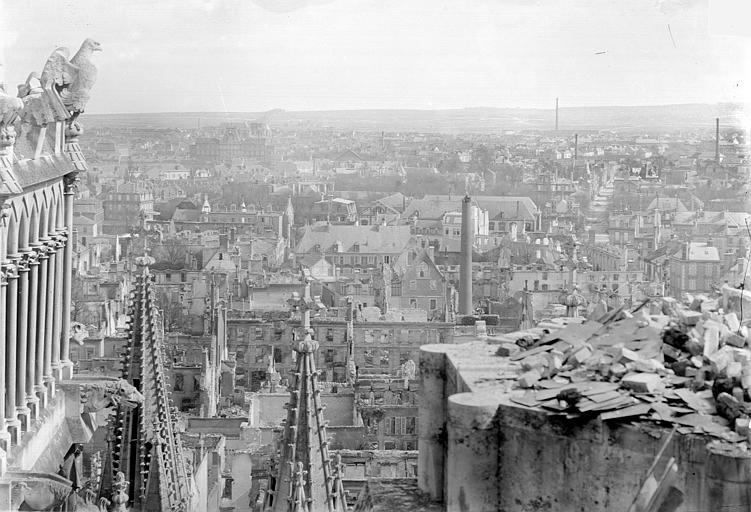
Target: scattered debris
<point x="689" y="366"/>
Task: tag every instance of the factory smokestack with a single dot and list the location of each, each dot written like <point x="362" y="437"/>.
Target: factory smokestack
<point x="717" y="141"/>
<point x="556" y="114"/>
<point x="465" y="272"/>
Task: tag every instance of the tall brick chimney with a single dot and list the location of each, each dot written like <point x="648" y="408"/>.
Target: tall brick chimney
<point x="465" y="272"/>
<point x="717" y="141"/>
<point x="556" y="114"/>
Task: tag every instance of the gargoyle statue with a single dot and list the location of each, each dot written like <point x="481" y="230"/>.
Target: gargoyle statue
<point x="72" y="78"/>
<point x="9" y="107"/>
<point x="9" y="111"/>
<point x="99" y="395"/>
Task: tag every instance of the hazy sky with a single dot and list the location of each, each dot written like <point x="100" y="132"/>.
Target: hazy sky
<point x="234" y="55"/>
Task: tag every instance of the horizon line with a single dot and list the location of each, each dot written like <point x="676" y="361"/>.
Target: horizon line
<point x="417" y="109"/>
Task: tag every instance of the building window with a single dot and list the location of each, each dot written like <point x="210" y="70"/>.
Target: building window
<point x="261" y="354"/>
<point x="413" y="285"/>
<point x="544" y="276"/>
<point x="390" y="426"/>
<point x="433" y="304"/>
<point x="329" y="356"/>
<point x="413" y="303"/>
<point x="411" y="426"/>
<point x="278" y="356"/>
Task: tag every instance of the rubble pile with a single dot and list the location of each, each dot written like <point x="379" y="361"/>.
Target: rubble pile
<point x="688" y="365"/>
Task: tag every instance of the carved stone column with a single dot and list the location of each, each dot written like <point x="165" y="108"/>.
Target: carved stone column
<point x="39" y="389"/>
<point x="31" y="399"/>
<point x="49" y="343"/>
<point x="11" y="339"/>
<point x="22" y="337"/>
<point x="70" y="191"/>
<point x="4" y="436"/>
<point x="57" y="311"/>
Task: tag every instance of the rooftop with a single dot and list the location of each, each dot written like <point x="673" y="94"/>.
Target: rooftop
<point x="702" y="252"/>
<point x="371" y="239"/>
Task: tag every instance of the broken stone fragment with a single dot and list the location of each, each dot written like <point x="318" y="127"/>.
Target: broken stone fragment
<point x="507" y="350"/>
<point x="734" y="370"/>
<point x="680" y="367"/>
<point x="695" y="347"/>
<point x="577" y="358"/>
<point x="722" y="358"/>
<point x="731" y="320"/>
<point x="534" y="362"/>
<point x="671" y="353"/>
<point x="746" y="377"/>
<point x="743" y="426"/>
<point x="627" y="356"/>
<point x="729" y="407"/>
<point x="618" y="370"/>
<point x="649" y="366"/>
<point x="690" y="317"/>
<point x="711" y="340"/>
<point x="555" y="359"/>
<point x="742" y="356"/>
<point x="735" y="340"/>
<point x="642" y="382"/>
<point x="529" y="379"/>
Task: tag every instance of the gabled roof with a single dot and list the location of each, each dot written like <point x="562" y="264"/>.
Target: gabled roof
<point x="402" y="267"/>
<point x="347" y="156"/>
<point x="186" y="214"/>
<point x="310" y="259"/>
<point x="395" y="201"/>
<point x="667" y="204"/>
<point x="506" y="207"/>
<point x="371" y="239"/>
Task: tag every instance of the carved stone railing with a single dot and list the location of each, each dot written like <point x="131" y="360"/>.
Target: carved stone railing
<point x="37" y="491"/>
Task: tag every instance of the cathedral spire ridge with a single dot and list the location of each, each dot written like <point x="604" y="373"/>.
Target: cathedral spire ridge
<point x="306" y="478"/>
